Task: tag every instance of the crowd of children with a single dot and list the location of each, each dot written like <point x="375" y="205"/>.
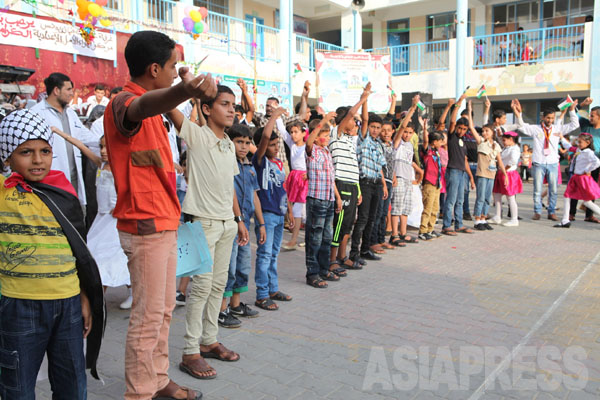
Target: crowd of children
<point x="352" y="176"/>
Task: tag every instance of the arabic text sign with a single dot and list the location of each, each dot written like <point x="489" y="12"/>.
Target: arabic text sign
<point x="17" y="30"/>
<point x="342" y="77"/>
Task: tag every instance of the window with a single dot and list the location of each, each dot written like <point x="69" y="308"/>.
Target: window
<point x="113" y="4"/>
<point x="443" y="26"/>
<point x="218" y="6"/>
<point x="512" y="16"/>
<point x="567" y="12"/>
<point x="160" y="10"/>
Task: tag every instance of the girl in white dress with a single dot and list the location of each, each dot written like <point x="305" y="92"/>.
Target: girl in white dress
<point x="103" y="237"/>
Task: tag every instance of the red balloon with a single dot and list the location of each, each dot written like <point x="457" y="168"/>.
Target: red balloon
<point x="101" y="3"/>
<point x="204" y="12"/>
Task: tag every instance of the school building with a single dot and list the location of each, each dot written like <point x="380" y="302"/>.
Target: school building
<point x="536" y="50"/>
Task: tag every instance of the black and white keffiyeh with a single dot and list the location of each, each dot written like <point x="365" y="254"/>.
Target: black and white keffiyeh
<point x="20" y="126"/>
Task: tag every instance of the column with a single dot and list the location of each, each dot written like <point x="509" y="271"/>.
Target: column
<point x="351" y="30"/>
<point x="286" y="15"/>
<point x="480" y="20"/>
<point x="461" y="39"/>
<point x="595" y="61"/>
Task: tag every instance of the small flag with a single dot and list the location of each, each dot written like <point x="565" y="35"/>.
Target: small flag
<point x="421" y="105"/>
<point x="297" y="68"/>
<point x="392" y="90"/>
<point x="566" y="103"/>
<point x="481" y="92"/>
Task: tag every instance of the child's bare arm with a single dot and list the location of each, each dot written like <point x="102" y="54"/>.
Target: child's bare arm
<point x="267" y="131"/>
<point x="79" y="144"/>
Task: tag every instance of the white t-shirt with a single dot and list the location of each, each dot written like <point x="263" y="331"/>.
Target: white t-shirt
<point x="297" y="153"/>
<point x="510" y="157"/>
<point x="403" y="160"/>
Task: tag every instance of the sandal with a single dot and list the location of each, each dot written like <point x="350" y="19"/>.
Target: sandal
<point x="221" y="353"/>
<point x="316" y="282"/>
<point x="592" y="219"/>
<point x="339" y="271"/>
<point x="280" y="296"/>
<point x="196" y="366"/>
<point x="464" y="229"/>
<point x="354" y="266"/>
<point x="387" y="246"/>
<point x="409" y="240"/>
<point x="169" y="392"/>
<point x="266" y="304"/>
<point x="449" y="232"/>
<point x="330" y="277"/>
<point x="377" y="249"/>
<point x="395" y="241"/>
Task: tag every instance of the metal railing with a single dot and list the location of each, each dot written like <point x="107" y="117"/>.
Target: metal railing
<point x="528" y="47"/>
<point x="417" y="57"/>
<point x="236" y="36"/>
<point x="161" y="10"/>
<point x="306" y="49"/>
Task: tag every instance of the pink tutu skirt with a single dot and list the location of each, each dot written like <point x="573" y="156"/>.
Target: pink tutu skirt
<point x="582" y="187"/>
<point x="296" y="186"/>
<point x="515" y="185"/>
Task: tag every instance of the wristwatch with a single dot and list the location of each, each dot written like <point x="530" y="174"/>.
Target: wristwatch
<point x="238" y="218"/>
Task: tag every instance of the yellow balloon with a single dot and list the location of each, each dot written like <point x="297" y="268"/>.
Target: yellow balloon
<point x="94" y="9"/>
<point x="195" y="16"/>
<point x="106" y="22"/>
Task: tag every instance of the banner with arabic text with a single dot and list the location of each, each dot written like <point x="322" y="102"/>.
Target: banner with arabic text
<point x="18" y="30"/>
<point x="342" y="77"/>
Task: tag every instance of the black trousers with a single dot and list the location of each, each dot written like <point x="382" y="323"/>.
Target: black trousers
<point x="367" y="213"/>
<point x="588" y="212"/>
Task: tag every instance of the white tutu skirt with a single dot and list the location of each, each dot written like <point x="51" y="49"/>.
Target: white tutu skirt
<point x="105" y="246"/>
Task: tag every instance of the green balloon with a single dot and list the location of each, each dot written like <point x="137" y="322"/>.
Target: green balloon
<point x="199" y="27"/>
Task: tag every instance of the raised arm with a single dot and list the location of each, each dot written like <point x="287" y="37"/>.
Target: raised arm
<point x="79" y="144"/>
<point x="406" y="120"/>
<point x="196" y="115"/>
<point x="304" y="99"/>
<point x="160" y="101"/>
<point x="474" y="132"/>
<point x="364" y="128"/>
<point x="455" y="113"/>
<point x="246" y="100"/>
<point x="284" y="132"/>
<point x="526" y="129"/>
<point x="267" y="131"/>
<point x="315" y="132"/>
<point x="574" y="120"/>
<point x="392" y="111"/>
<point x="445" y="112"/>
<point x="352" y="112"/>
<point x="177" y="117"/>
<point x="486" y="111"/>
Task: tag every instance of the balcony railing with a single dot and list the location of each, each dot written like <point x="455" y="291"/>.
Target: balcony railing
<point x="417" y="57"/>
<point x="161" y="10"/>
<point x="236" y="36"/>
<point x="531" y="46"/>
<point x="306" y="49"/>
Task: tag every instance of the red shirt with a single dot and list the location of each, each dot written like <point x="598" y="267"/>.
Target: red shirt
<point x="142" y="165"/>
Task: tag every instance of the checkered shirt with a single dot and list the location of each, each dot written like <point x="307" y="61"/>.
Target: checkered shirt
<point x="370" y="157"/>
<point x="321" y="176"/>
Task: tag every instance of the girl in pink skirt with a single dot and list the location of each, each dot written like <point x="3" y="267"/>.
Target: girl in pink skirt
<point x="510" y="158"/>
<point x="296" y="184"/>
<point x="581" y="185"/>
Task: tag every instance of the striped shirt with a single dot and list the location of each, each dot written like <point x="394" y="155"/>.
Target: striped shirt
<point x="370" y="157"/>
<point x="343" y="153"/>
<point x="321" y="180"/>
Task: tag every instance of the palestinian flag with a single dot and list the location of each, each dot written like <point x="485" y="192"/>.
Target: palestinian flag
<point x="566" y="103"/>
<point x="297" y="68"/>
<point x="421" y="105"/>
<point x="481" y="92"/>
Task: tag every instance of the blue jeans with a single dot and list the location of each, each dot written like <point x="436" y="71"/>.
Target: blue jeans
<point x="265" y="276"/>
<point x="466" y="208"/>
<point x="455" y="189"/>
<point x="319" y="234"/>
<point x="550" y="171"/>
<point x="378" y="234"/>
<point x="484" y="192"/>
<point x="28" y="330"/>
<point x="239" y="266"/>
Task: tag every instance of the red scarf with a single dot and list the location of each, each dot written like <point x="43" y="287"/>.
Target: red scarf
<point x="54" y="178"/>
<point x="547" y="133"/>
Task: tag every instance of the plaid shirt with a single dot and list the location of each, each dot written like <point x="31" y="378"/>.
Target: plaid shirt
<point x="321" y="177"/>
<point x="261" y="120"/>
<point x="370" y="157"/>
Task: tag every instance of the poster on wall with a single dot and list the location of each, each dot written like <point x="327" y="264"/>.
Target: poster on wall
<point x="18" y="30"/>
<point x="265" y="89"/>
<point x="342" y="77"/>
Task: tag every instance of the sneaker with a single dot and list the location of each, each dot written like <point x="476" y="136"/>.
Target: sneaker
<point x="480" y="227"/>
<point x="495" y="221"/>
<point x="425" y="236"/>
<point x="180" y="299"/>
<point x="126" y="305"/>
<point x="226" y="320"/>
<point x="511" y="223"/>
<point x="243" y="310"/>
<point x="435" y="234"/>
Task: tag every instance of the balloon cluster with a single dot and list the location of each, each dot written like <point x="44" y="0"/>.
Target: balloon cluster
<point x="93" y="12"/>
<point x="194" y="21"/>
<point x="87" y="31"/>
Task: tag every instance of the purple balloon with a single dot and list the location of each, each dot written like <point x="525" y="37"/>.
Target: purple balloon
<point x="188" y="24"/>
<point x="94" y="21"/>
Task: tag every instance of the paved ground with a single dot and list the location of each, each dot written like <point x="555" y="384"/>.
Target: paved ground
<point x="435" y="320"/>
